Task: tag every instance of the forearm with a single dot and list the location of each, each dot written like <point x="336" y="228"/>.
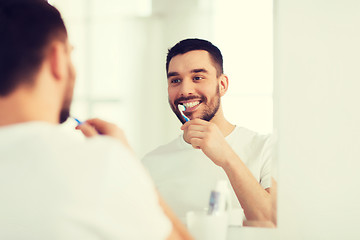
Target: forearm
<point x="255" y="200"/>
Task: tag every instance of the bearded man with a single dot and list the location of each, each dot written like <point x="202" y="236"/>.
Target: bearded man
<point x="53" y="185"/>
<point x="211" y="149"/>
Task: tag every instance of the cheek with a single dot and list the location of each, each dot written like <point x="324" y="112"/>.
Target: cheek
<point x="171" y="94"/>
<point x="208" y="91"/>
<point x="72" y="70"/>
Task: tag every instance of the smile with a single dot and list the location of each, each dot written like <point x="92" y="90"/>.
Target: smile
<point x="191" y="106"/>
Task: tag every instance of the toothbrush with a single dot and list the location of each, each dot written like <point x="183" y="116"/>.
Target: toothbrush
<point x="214" y="202"/>
<point x="77" y="120"/>
<point x="182" y="108"/>
<point x="80" y="122"/>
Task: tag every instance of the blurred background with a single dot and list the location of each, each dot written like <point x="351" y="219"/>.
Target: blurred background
<point x="120" y="48"/>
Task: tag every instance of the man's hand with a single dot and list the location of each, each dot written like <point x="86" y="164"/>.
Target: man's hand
<point x="94" y="127"/>
<point x="207" y="137"/>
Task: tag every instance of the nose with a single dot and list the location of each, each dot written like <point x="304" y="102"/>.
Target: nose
<point x="187" y="87"/>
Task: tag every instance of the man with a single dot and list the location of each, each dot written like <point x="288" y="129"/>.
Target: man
<point x="52" y="185"/>
<point x="183" y="174"/>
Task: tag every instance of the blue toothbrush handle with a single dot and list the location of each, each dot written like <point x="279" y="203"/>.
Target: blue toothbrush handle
<point x="185" y="117"/>
<point x="77" y="120"/>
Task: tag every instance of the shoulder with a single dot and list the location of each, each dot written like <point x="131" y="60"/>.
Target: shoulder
<point x="250" y="144"/>
<point x="247" y="136"/>
<point x="165" y="155"/>
<point x="71" y="144"/>
<point x="171" y="147"/>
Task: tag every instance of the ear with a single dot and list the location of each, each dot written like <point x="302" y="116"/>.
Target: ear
<point x="57" y="60"/>
<point x="223" y="84"/>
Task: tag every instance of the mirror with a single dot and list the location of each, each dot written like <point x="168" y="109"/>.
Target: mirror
<point x="120" y="50"/>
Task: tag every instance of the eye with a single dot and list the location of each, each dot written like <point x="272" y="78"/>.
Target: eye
<point x="175" y="80"/>
<point x="197" y="78"/>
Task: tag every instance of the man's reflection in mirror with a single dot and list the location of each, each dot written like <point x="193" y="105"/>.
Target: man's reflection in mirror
<point x="211" y="149"/>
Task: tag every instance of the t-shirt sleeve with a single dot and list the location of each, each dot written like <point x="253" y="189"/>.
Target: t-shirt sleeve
<point x="130" y="199"/>
<point x="267" y="167"/>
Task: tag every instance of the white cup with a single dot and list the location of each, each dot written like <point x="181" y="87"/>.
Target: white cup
<point x="207" y="227"/>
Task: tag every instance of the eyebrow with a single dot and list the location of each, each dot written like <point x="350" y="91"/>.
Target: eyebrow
<point x="197" y="70"/>
<point x="172" y="74"/>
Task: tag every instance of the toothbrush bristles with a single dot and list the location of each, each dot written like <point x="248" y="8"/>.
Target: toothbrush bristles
<point x="181" y="107"/>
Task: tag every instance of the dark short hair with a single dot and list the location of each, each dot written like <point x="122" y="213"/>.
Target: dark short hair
<point x="26" y="29"/>
<point x="192" y="44"/>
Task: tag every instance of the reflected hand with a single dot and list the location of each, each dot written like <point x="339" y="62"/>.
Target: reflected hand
<point x="207" y="137"/>
<point x="96" y="126"/>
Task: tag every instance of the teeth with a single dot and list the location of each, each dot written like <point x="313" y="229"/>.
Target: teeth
<point x="191" y="104"/>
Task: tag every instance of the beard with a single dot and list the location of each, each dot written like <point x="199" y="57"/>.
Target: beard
<point x="209" y="111"/>
<point x="64" y="115"/>
<point x="65" y="109"/>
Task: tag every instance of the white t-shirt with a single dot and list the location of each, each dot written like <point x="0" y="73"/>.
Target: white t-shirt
<point x="55" y="186"/>
<point x="185" y="176"/>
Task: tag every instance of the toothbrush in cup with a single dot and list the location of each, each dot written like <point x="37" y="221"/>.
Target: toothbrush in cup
<point x="182" y="108"/>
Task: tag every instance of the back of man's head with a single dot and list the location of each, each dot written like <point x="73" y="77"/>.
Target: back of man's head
<point x="26" y="29"/>
<point x="192" y="44"/>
